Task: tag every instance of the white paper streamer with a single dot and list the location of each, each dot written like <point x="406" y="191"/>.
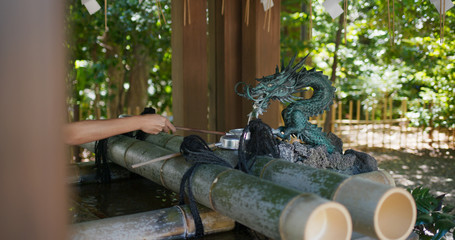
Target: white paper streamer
<point x="437" y="4"/>
<point x="91" y="5"/>
<point x="333" y="8"/>
<point x="267" y="4"/>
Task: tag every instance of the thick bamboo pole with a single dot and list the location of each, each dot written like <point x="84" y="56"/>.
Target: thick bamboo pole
<point x="169" y="223"/>
<point x="377" y="210"/>
<point x="275" y="211"/>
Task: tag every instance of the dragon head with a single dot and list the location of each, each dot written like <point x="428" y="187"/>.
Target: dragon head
<point x="279" y="86"/>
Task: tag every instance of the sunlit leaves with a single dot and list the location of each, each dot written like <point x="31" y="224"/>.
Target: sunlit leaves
<point x="417" y="67"/>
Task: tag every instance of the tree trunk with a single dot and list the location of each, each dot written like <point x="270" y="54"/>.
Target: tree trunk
<point x="328" y="119"/>
<point x="116" y="74"/>
<point x="137" y="94"/>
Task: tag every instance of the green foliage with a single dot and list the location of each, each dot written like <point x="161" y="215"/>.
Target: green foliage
<point x="135" y="29"/>
<point x="417" y="67"/>
<point x="434" y="219"/>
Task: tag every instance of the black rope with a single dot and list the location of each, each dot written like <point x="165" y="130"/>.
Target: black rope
<point x="261" y="142"/>
<point x="196" y="151"/>
<point x="103" y="173"/>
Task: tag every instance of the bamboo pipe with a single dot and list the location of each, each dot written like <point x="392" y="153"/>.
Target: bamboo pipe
<point x="386" y="212"/>
<point x="273" y="210"/>
<point x="168" y="223"/>
<point x="380" y="176"/>
<point x="172" y="142"/>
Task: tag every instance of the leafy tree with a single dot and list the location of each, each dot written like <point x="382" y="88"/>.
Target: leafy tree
<point x="122" y="65"/>
<point x="416" y="67"/>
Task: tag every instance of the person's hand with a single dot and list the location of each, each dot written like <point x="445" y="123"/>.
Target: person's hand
<point x="154" y="123"/>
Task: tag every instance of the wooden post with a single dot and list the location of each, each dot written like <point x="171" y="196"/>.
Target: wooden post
<point x="373" y="119"/>
<point x="390" y="121"/>
<point x="405" y="109"/>
<point x="351" y="112"/>
<point x="32" y="102"/>
<point x="225" y="65"/>
<point x="260" y="54"/>
<point x="384" y="120"/>
<point x="453" y="137"/>
<point x="358" y="120"/>
<point x="403" y="123"/>
<point x="340" y="117"/>
<point x="332" y="123"/>
<point x="367" y="121"/>
<point x="189" y="64"/>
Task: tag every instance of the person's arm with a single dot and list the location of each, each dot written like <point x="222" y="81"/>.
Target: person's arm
<point x="92" y="130"/>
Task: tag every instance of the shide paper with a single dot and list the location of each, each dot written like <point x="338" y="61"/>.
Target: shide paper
<point x="91" y="5"/>
<point x="333" y="8"/>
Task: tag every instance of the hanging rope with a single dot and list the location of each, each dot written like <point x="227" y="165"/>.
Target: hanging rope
<point x="388" y="21"/>
<point x="345" y="21"/>
<point x="247" y="12"/>
<point x="161" y="13"/>
<point x="265" y="19"/>
<point x="270" y="16"/>
<point x="222" y="8"/>
<point x="261" y="142"/>
<point x="186" y="9"/>
<point x="443" y="20"/>
<point x="105" y="15"/>
<point x="310" y="27"/>
<point x="196" y="151"/>
<point x="103" y="173"/>
<point x="393" y="22"/>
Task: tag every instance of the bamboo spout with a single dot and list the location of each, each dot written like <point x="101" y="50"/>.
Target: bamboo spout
<point x="326" y="222"/>
<point x="380" y="211"/>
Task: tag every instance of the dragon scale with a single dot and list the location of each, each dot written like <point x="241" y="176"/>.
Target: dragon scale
<point x="282" y="86"/>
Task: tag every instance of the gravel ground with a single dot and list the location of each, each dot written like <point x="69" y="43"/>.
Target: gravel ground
<point x="430" y="169"/>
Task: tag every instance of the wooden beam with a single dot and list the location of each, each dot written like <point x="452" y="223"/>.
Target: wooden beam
<point x="189" y="64"/>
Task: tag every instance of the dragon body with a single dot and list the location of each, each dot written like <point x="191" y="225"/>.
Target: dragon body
<point x="282" y="86"/>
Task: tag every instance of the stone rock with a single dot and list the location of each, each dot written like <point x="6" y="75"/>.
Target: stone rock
<point x="351" y="162"/>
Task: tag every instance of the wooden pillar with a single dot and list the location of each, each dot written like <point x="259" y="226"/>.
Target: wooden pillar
<point x="236" y="52"/>
<point x="225" y="49"/>
<point x="189" y="64"/>
<point x="260" y="54"/>
<point x="32" y="159"/>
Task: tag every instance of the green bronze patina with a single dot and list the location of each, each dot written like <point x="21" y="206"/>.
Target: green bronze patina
<point x="282" y="86"/>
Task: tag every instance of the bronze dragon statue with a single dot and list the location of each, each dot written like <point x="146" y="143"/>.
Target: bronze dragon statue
<point x="282" y="86"/>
